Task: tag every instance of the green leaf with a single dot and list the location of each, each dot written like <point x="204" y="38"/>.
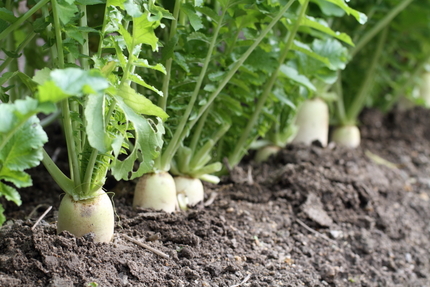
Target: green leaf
<point x="139" y="103"/>
<point x="144" y="64"/>
<point x="195" y="20"/>
<point x="18" y="178"/>
<point x="147" y="145"/>
<point x="322" y="26"/>
<point x="298" y="46"/>
<point x="10" y="194"/>
<point x="74" y="81"/>
<point x="333" y="51"/>
<point x="42" y="76"/>
<point x="7" y="15"/>
<point x="138" y="80"/>
<point x="66" y="11"/>
<point x="50" y="92"/>
<point x="22" y="149"/>
<point x="360" y="17"/>
<point x="143" y="31"/>
<point x="95" y="124"/>
<point x="329" y="9"/>
<point x="292" y="74"/>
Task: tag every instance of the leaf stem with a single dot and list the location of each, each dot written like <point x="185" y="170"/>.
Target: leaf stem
<point x="167" y="156"/>
<point x="177" y="136"/>
<point x="19" y="49"/>
<point x="379" y="26"/>
<point x="162" y="102"/>
<point x="85" y="50"/>
<point x="65" y="183"/>
<point x="65" y="108"/>
<point x="359" y="100"/>
<point x="240" y="148"/>
<point x="22" y="19"/>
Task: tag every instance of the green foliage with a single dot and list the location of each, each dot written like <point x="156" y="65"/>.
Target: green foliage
<point x="21" y="142"/>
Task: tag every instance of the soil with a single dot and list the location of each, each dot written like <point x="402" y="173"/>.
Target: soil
<point x="311" y="216"/>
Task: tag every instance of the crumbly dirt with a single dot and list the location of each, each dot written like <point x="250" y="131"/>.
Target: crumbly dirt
<point x="311" y="216"/>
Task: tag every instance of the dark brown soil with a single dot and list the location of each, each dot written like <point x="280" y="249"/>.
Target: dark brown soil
<point x="309" y="217"/>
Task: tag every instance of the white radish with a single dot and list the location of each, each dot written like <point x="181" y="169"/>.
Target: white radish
<point x="94" y="215"/>
<point x="264" y="153"/>
<point x="348" y="136"/>
<point x="192" y="188"/>
<point x="157" y="191"/>
<point x="312" y="121"/>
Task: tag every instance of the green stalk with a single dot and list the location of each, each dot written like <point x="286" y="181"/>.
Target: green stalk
<point x="177" y="139"/>
<point x="22" y="19"/>
<point x="65" y="109"/>
<point x="13" y="63"/>
<point x="85" y="50"/>
<point x="102" y="32"/>
<point x="89" y="172"/>
<point x="19" y="49"/>
<point x="358" y="101"/>
<point x="168" y="154"/>
<point x="237" y="154"/>
<point x="379" y="26"/>
<point x="162" y="102"/>
<point x="198" y="131"/>
<point x="340" y="105"/>
<point x="65" y="183"/>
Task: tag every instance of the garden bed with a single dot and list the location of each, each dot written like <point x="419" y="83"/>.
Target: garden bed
<point x="311" y="217"/>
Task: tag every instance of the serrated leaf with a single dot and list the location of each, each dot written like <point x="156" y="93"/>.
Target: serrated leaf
<point x="144" y="64"/>
<point x="42" y="76"/>
<point x="132" y="8"/>
<point x="181" y="61"/>
<point x="95" y="123"/>
<point x="143" y="31"/>
<point x="138" y="80"/>
<point x="10" y="194"/>
<point x="18" y="178"/>
<point x="21" y="143"/>
<point x="73" y="81"/>
<point x="292" y="74"/>
<point x="7" y="15"/>
<point x="329" y="9"/>
<point x="360" y="17"/>
<point x="321" y="25"/>
<point x="147" y="146"/>
<point x="139" y="103"/>
<point x="66" y="11"/>
<point x="127" y="37"/>
<point x="195" y="20"/>
<point x="298" y="46"/>
<point x="197" y="36"/>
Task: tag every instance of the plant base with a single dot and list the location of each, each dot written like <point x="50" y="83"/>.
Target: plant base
<point x="348" y="136"/>
<point x="264" y="153"/>
<point x="312" y="121"/>
<point x="157" y="191"/>
<point x="192" y="188"/>
<point x="94" y="215"/>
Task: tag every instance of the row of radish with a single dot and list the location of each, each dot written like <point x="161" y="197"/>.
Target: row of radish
<point x="175" y="92"/>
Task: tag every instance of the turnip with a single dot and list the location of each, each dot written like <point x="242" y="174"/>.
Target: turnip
<point x="348" y="136"/>
<point x="94" y="215"/>
<point x="155" y="190"/>
<point x="312" y="121"/>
